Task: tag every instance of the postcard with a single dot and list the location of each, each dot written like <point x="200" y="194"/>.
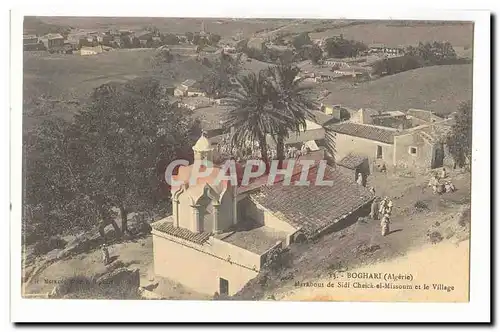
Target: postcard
<point x="247" y="159"/>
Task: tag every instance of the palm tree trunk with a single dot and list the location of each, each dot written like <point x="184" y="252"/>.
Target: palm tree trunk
<point x="280" y="150"/>
<point x="263" y="151"/>
<point x="123" y="216"/>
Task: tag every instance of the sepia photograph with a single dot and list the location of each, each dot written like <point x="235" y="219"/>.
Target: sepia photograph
<point x="246" y="159"/>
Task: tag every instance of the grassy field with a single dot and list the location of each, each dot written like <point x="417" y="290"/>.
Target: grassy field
<point x="65" y="78"/>
<point x="436" y="88"/>
<point x="225" y="27"/>
<point x="395" y="35"/>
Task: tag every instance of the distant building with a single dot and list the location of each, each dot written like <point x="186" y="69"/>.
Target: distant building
<point x="86" y="50"/>
<point x="189" y="88"/>
<point x="390" y="139"/>
<point x="30" y="39"/>
<point x="184" y="50"/>
<point x="52" y="40"/>
<point x="388" y="50"/>
<point x="31" y="43"/>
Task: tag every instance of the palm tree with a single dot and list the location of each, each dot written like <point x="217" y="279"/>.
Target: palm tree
<point x="288" y="97"/>
<point x="252" y="115"/>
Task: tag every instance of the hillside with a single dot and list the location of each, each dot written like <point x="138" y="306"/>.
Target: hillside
<point x="67" y="80"/>
<point x="436" y="88"/>
<point x="396" y="35"/>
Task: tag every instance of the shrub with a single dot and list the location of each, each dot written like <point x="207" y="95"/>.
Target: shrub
<point x="435" y="237"/>
<point x="421" y="205"/>
<point x="43" y="247"/>
<point x="464" y="219"/>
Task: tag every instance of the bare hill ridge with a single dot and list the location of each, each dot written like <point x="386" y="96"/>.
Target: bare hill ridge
<point x="437" y="88"/>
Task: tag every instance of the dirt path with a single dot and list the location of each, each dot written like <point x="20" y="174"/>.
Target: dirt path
<point x="442" y="267"/>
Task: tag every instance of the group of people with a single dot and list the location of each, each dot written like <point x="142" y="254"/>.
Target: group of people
<point x="441" y="183"/>
<point x="251" y="150"/>
<point x="382" y="208"/>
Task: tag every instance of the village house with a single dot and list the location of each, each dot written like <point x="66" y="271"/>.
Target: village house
<point x="52" y="40"/>
<point x="189" y="88"/>
<point x="184" y="50"/>
<point x="316" y="73"/>
<point x="384" y="49"/>
<point x="390" y="140"/>
<point x="221" y="234"/>
<point x="87" y="50"/>
<point x="31" y="43"/>
<point x="313" y="135"/>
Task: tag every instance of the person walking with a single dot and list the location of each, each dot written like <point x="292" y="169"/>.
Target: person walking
<point x="384" y="224"/>
<point x="372" y="190"/>
<point x="359" y="180"/>
<point x="105" y="254"/>
<point x="374" y="209"/>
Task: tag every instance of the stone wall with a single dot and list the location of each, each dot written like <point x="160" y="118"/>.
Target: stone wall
<point x="200" y="267"/>
<point x="422" y="157"/>
<point x="345" y="144"/>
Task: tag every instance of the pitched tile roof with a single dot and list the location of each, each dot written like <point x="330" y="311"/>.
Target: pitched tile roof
<point x="364" y="131"/>
<point x="314" y="207"/>
<point x="352" y="161"/>
<point x="166" y="226"/>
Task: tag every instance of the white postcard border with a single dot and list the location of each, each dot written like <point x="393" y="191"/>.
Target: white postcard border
<point x="23" y="310"/>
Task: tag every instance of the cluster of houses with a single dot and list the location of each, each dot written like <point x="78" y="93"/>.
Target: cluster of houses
<point x="72" y="44"/>
<point x="220" y="235"/>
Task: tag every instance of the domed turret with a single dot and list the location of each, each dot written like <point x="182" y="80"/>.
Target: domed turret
<point x="203" y="149"/>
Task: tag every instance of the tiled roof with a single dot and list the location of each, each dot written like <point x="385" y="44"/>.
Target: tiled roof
<point x="167" y="227"/>
<point x="352" y="161"/>
<point x="314" y="207"/>
<point x="364" y="131"/>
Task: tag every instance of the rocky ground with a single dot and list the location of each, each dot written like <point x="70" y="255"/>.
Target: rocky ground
<point x="361" y="243"/>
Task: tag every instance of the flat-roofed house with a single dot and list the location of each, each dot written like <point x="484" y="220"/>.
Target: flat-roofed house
<point x="189" y="88"/>
<point x="416" y="147"/>
<point x="53" y="40"/>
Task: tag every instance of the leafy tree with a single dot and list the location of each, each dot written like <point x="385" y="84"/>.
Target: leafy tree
<point x="199" y="40"/>
<point x="251" y="113"/>
<point x="311" y="52"/>
<point x="343" y="48"/>
<point x="136" y="43"/>
<point x="126" y="42"/>
<point x="301" y="40"/>
<point x="189" y="36"/>
<point x="214" y="39"/>
<point x="433" y="53"/>
<point x="170" y="39"/>
<point x="289" y="97"/>
<point x="459" y="140"/>
<point x="50" y="179"/>
<point x="217" y="82"/>
<point x="161" y="56"/>
<point x="396" y="65"/>
<point x="126" y="133"/>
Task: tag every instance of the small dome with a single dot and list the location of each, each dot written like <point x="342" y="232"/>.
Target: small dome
<point x="202" y="145"/>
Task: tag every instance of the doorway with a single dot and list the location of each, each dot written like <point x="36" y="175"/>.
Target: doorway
<point x="438" y="156"/>
<point x="223" y="286"/>
<point x="379" y="152"/>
